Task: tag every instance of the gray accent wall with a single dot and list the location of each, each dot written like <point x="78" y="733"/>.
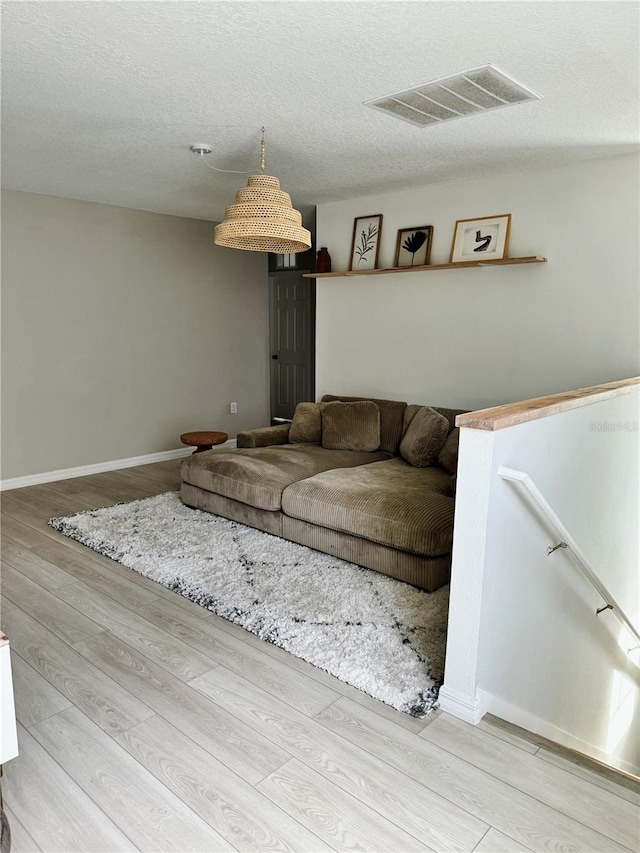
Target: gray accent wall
<point x="122" y="329"/>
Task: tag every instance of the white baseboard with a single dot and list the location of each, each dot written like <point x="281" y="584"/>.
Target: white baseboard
<point x="525" y="719"/>
<point x="471" y="709"/>
<point x="99" y="467"/>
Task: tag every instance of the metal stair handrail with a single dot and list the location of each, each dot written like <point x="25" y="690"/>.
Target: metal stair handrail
<point x="536" y="499"/>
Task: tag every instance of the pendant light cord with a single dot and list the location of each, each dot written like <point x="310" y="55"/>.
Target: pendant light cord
<point x="239" y="171"/>
<point x="230" y="171"/>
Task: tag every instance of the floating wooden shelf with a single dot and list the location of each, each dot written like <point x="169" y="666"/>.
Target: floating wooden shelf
<point x="532" y="259"/>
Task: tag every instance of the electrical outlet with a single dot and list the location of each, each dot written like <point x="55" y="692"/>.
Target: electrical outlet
<point x="233" y="408"/>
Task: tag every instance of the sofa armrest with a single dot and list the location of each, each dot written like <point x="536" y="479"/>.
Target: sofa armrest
<point x="264" y="436"/>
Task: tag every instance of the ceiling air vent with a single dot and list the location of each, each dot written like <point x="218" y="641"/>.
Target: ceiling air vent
<point x="476" y="91"/>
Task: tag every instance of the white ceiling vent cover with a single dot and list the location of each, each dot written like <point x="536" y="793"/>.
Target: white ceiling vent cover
<point x="468" y="93"/>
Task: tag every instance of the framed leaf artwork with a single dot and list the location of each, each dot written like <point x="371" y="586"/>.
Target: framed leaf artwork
<point x="486" y="238"/>
<point x="365" y="245"/>
<point x="413" y="247"/>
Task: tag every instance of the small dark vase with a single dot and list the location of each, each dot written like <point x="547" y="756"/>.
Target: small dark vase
<point x="323" y="264"/>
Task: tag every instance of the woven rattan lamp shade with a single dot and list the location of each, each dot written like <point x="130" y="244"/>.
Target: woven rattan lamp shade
<point x="263" y="220"/>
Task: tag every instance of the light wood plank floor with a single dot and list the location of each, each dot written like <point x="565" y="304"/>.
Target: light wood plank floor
<point x="147" y="723"/>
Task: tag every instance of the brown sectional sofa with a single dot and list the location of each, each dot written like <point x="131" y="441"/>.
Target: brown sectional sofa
<point x="370" y="507"/>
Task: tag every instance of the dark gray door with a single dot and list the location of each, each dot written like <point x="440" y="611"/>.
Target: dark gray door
<point x="292" y="341"/>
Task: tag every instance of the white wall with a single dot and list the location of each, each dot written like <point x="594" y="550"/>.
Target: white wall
<point x="8" y="730"/>
<point x="544" y="660"/>
<point x="477" y="337"/>
<point x="122" y="329"/>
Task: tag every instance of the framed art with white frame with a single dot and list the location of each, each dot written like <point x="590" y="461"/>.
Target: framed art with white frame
<point x="365" y="245"/>
<point x="482" y="239"/>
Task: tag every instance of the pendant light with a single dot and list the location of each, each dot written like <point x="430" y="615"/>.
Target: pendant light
<point x="263" y="218"/>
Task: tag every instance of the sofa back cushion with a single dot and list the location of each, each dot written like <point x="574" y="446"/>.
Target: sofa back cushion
<point x="448" y="456"/>
<point x="424" y="438"/>
<point x="391" y="418"/>
<point x="450" y="414"/>
<point x="306" y="426"/>
<point x="409" y="415"/>
<point x="350" y="426"/>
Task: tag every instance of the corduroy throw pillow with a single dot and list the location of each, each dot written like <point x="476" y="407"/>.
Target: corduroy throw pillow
<point x="424" y="438"/>
<point x="350" y="426"/>
<point x="448" y="456"/>
<point x="306" y="426"/>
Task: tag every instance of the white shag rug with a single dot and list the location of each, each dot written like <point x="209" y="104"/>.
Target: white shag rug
<point x="378" y="634"/>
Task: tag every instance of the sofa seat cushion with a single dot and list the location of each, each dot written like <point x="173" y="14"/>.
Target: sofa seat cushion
<point x="257" y="475"/>
<point x="389" y="502"/>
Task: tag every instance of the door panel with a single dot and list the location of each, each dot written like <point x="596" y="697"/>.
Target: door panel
<point x="292" y="340"/>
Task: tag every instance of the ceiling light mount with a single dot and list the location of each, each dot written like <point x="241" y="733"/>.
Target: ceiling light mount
<point x="201" y="148"/>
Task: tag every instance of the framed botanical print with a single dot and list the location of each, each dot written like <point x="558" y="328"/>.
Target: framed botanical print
<point x="413" y="247"/>
<point x="365" y="245"/>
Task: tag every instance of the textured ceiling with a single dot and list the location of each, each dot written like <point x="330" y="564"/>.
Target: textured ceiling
<point x="101" y="99"/>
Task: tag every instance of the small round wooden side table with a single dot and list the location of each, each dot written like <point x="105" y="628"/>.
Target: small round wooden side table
<point x="203" y="440"/>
